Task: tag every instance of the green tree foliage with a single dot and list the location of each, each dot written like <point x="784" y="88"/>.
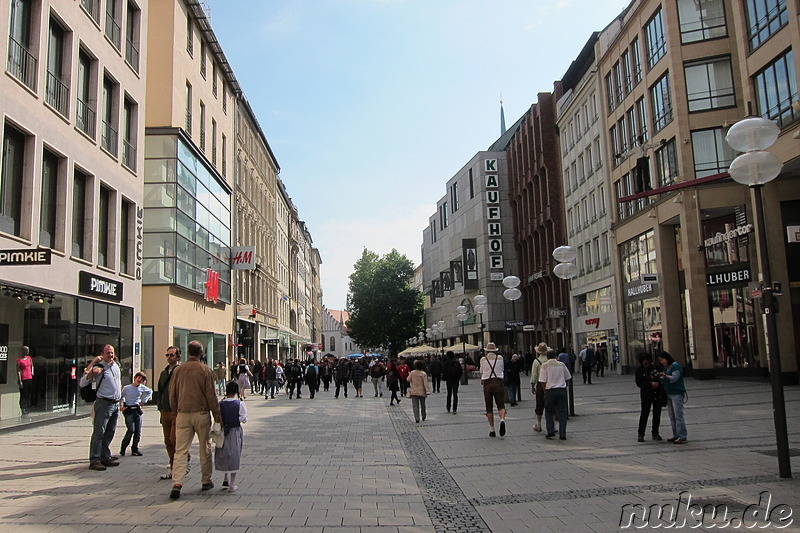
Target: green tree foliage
<point x="384" y="308"/>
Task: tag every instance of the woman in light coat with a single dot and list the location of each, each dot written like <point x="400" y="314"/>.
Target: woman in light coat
<point x="418" y="389"/>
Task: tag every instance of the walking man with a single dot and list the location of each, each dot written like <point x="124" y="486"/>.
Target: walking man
<point x="452" y="378"/>
<point x="494" y="391"/>
<point x="554" y="376"/>
<point x="104" y="372"/>
<point x="342" y="375"/>
<point x="192" y="396"/>
<point x="587" y="362"/>
<point x="167" y="415"/>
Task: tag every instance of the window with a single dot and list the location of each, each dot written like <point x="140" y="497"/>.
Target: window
<point x="132" y="36"/>
<point x="129" y="131"/>
<point x="21" y="60"/>
<point x="701" y="20"/>
<point x="764" y="19"/>
<point x="709" y="85"/>
<point x="633" y="130"/>
<point x="79" y="214"/>
<point x="601" y="194"/>
<point x="593" y="205"/>
<point x="570" y="225"/>
<point x="656" y="40"/>
<point x="49" y="199"/>
<point x="93" y="8"/>
<point x="213" y="142"/>
<point x="626" y="72"/>
<point x="622" y="129"/>
<point x="57" y="86"/>
<point x="641" y="122"/>
<point x="610" y="93"/>
<point x="585" y="212"/>
<point x="661" y="99"/>
<point x="618" y="90"/>
<point x="712" y="155"/>
<point x="11" y="180"/>
<point x="214" y="77"/>
<point x="189" y="34"/>
<point x="471" y="186"/>
<point x="189" y="109"/>
<point x="224" y="97"/>
<point x="667" y="163"/>
<point x="454" y="197"/>
<point x="776" y="90"/>
<point x="615" y="153"/>
<point x="203" y="58"/>
<point x="108" y="138"/>
<point x="224" y="154"/>
<point x="587" y="261"/>
<point x="125" y="241"/>
<point x="444" y="220"/>
<point x="578" y="223"/>
<point x="589" y="161"/>
<point x="113" y="27"/>
<point x="596" y="248"/>
<point x="636" y="58"/>
<point x="567" y="182"/>
<point x="202" y="126"/>
<point x="84" y="110"/>
<point x="103" y="230"/>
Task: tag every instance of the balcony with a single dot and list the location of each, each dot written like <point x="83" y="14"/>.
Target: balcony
<point x="57" y="94"/>
<point x="129" y="155"/>
<point x="108" y="138"/>
<point x="22" y="64"/>
<point x="85" y="118"/>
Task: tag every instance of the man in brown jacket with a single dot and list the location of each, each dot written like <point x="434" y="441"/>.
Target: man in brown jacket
<point x="192" y="396"/>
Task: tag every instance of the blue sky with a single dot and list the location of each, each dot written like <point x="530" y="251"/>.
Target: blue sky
<point x="370" y="106"/>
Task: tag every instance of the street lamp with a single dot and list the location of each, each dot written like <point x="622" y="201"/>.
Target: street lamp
<point x="754" y="168"/>
<point x="480" y="308"/>
<point x="566" y="269"/>
<point x="512" y="293"/>
<point x="462" y="317"/>
<point x="442" y="327"/>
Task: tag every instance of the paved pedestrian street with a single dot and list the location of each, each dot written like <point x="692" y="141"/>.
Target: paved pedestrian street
<point x="360" y="465"/>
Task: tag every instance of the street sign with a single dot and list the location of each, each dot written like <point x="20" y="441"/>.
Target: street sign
<point x="649" y="278"/>
<point x="514" y="324"/>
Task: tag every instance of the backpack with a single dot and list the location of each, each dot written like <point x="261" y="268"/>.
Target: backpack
<point x="311" y="372"/>
<point x="89" y="391"/>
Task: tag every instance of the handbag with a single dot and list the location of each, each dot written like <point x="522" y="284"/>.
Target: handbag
<point x="217" y="435"/>
<point x="408" y="393"/>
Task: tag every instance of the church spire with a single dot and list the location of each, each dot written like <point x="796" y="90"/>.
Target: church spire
<point x="502" y="117"/>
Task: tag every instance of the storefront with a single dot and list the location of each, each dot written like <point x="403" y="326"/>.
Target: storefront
<point x="62" y="333"/>
<point x="642" y="307"/>
<point x="596" y="323"/>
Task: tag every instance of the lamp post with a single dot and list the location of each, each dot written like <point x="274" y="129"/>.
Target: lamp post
<point x="512" y="293"/>
<point x="442" y="327"/>
<point x="754" y="168"/>
<point x="566" y="270"/>
<point x="480" y="308"/>
<point x="462" y="316"/>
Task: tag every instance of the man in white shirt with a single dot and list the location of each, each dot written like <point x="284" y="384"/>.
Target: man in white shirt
<point x="554" y="376"/>
<point x="494" y="391"/>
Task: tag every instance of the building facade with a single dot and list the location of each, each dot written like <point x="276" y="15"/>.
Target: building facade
<point x="255" y="233"/>
<point x="468" y="249"/>
<point x="336" y="339"/>
<point x="675" y="76"/>
<point x="188" y="186"/>
<point x="72" y="101"/>
<point x="588" y="218"/>
<point x="537" y="204"/>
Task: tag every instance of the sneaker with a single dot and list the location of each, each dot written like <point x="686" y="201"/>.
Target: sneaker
<point x="502" y="428"/>
<point x="454" y="411"/>
<point x="234" y="488"/>
<point x="672" y="439"/>
<point x="680" y="441"/>
<point x="137" y="453"/>
<point x="225" y="483"/>
<point x="109" y="463"/>
<point x="97" y="466"/>
<point x="207" y="486"/>
<point x="492" y="434"/>
<point x="175" y="493"/>
<point x="167" y="475"/>
<point x="656" y="436"/>
<point x="641" y="438"/>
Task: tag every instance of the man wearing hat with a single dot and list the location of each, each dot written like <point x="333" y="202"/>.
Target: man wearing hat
<point x="493" y="388"/>
<point x="537" y="388"/>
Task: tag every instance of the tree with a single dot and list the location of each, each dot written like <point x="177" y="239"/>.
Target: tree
<point x="384" y="308"/>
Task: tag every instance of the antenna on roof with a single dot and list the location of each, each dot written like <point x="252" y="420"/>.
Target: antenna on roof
<point x="502" y="117"/>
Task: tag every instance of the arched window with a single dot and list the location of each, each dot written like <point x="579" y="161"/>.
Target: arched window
<point x="333" y="343"/>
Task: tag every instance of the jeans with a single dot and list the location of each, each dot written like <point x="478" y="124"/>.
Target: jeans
<point x="272" y="387"/>
<point x="133" y="421"/>
<point x="555" y="400"/>
<point x="512" y="393"/>
<point x="377" y="383"/>
<point x="104" y="426"/>
<point x="452" y="390"/>
<point x="675" y="408"/>
<point x="418" y="402"/>
<point x="221" y="386"/>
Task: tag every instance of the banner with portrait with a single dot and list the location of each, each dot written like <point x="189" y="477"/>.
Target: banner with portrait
<point x="470" y="257"/>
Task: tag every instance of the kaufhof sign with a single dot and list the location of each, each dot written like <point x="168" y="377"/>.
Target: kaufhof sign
<point x="494" y="227"/>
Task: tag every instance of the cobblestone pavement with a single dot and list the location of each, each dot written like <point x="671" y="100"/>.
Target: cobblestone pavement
<point x="358" y="464"/>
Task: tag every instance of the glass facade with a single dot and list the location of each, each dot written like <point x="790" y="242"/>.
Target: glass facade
<point x="62" y="332"/>
<point x="643" y="323"/>
<point x="187" y="225"/>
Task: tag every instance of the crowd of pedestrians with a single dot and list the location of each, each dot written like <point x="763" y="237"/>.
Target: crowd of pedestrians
<point x="189" y="402"/>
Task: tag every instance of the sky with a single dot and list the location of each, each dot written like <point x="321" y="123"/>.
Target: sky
<point x="370" y="106"/>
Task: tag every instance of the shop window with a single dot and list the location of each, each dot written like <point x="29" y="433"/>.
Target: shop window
<point x="726" y="235"/>
<point x="733" y="315"/>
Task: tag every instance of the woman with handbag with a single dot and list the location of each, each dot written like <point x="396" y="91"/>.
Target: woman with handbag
<point x="419" y="389"/>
